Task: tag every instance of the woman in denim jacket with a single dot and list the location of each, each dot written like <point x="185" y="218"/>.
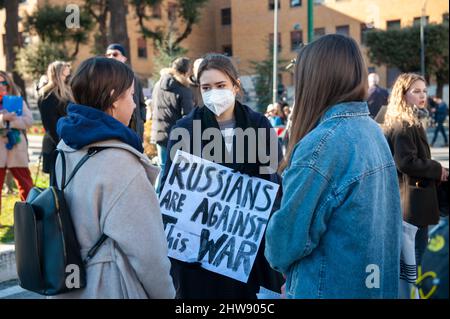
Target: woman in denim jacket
<point x="337" y="232"/>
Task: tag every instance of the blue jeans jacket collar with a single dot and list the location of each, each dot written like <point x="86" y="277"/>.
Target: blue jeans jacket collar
<point x="346" y="109"/>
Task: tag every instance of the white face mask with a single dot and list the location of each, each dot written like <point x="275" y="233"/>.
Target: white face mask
<point x="218" y="101"/>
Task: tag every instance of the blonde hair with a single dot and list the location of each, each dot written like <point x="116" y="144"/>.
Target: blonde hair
<point x="55" y="83"/>
<point x="398" y="110"/>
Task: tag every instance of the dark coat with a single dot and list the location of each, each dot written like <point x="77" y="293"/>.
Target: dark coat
<point x="418" y="174"/>
<point x="171" y="100"/>
<point x="192" y="281"/>
<point x="377" y="98"/>
<point x="139" y="114"/>
<point x="441" y="112"/>
<point x="195" y="88"/>
<point x="51" y="110"/>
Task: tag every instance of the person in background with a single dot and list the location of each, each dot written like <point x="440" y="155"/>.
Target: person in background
<point x="117" y="52"/>
<point x="284" y="136"/>
<point x="272" y="115"/>
<point x="113" y="193"/>
<point x="13" y="142"/>
<point x="378" y="96"/>
<point x="279" y="107"/>
<point x="287" y="112"/>
<point x="418" y="174"/>
<point x="440" y="113"/>
<point x="52" y="103"/>
<point x="194" y="83"/>
<point x="332" y="229"/>
<point x="172" y="99"/>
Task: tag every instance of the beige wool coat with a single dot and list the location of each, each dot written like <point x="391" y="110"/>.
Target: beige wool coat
<point x="18" y="155"/>
<point x="113" y="193"/>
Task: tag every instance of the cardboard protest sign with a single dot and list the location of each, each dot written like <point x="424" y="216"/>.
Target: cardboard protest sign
<point x="214" y="216"/>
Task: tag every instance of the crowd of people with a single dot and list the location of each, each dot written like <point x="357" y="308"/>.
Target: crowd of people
<point x="354" y="166"/>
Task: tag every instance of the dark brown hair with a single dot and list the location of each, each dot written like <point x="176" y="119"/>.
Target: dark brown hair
<point x="96" y="78"/>
<point x="329" y="71"/>
<point x="181" y="65"/>
<point x="222" y="63"/>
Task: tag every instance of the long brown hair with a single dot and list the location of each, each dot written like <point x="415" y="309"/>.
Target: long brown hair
<point x="329" y="71"/>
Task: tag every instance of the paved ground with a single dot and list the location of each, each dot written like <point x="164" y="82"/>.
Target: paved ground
<point x="12" y="290"/>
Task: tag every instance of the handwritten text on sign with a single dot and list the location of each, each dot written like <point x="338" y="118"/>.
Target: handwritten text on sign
<point x="214" y="216"/>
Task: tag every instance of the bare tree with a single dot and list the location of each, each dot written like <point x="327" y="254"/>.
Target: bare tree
<point x="187" y="10"/>
<point x="12" y="39"/>
<point x="118" y="25"/>
<point x="99" y="10"/>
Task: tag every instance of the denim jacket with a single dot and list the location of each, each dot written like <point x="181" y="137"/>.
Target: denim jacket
<point x="337" y="233"/>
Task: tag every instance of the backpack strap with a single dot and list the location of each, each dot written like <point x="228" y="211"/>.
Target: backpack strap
<point x="91" y="253"/>
<point x="91" y="152"/>
<point x="53" y="181"/>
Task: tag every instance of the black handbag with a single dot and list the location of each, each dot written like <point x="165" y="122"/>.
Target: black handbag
<point x="419" y="201"/>
<point x="46" y="247"/>
<point x="442" y="192"/>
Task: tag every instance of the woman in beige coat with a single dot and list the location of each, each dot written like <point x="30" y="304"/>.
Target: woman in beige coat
<point x="13" y="142"/>
<point x="113" y="191"/>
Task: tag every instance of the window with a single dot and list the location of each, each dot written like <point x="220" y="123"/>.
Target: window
<point x="272" y="4"/>
<point x="296" y="3"/>
<point x="392" y="74"/>
<point x="228" y="50"/>
<point x="296" y="39"/>
<point x="279" y="41"/>
<point x="343" y="29"/>
<point x="416" y="21"/>
<point x="156" y="11"/>
<point x="318" y="32"/>
<point x="172" y="11"/>
<point x="281" y="88"/>
<point x="4" y="43"/>
<point x="142" y="47"/>
<point x="226" y="16"/>
<point x="363" y="31"/>
<point x="393" y="24"/>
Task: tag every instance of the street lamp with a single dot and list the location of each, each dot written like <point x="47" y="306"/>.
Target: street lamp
<point x="310" y="21"/>
<point x="275" y="53"/>
<point x="422" y="39"/>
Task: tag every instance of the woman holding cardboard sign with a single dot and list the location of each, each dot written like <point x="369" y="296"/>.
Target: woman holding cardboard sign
<point x="13" y="145"/>
<point x="218" y="124"/>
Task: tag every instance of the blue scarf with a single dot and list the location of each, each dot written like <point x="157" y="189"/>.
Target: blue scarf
<point x="85" y="125"/>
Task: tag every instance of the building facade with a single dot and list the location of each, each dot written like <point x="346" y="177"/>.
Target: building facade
<point x="252" y="26"/>
<point x="243" y="29"/>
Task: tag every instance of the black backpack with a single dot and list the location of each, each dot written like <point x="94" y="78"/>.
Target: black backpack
<point x="46" y="246"/>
